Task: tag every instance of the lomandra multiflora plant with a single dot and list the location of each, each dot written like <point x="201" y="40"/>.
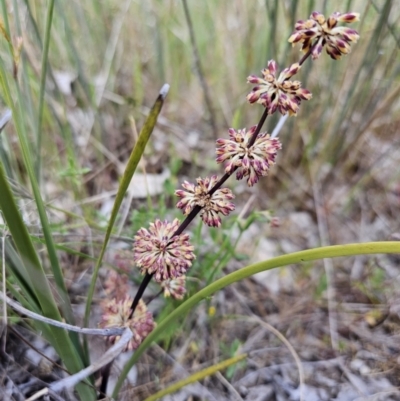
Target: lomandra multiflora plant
<point x="162" y="251"/>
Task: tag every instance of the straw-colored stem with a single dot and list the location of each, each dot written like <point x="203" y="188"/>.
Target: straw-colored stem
<point x="43" y="73"/>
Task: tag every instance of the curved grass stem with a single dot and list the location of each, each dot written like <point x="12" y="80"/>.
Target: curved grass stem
<point x="284" y="260"/>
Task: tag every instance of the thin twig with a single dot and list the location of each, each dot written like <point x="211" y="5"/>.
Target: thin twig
<point x="109" y="356"/>
<point x="31" y="346"/>
<point x="285" y="341"/>
<point x="114" y="331"/>
<point x="228" y="385"/>
<point x="254" y="318"/>
<point x="200" y="73"/>
<point x="43" y="392"/>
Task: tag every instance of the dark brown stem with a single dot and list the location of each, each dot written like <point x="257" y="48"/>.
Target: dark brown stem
<point x="145" y="282"/>
<point x="190" y="217"/>
<point x="154" y="297"/>
<point x="305" y="57"/>
<point x="105" y="374"/>
<point x="258" y="129"/>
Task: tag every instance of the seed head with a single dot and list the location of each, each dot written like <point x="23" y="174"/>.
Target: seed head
<point x="116" y="314"/>
<point x="252" y="162"/>
<point x="116" y="284"/>
<point x="174" y="288"/>
<point x="212" y="205"/>
<point x="318" y="31"/>
<point x="278" y="94"/>
<point x="157" y="251"/>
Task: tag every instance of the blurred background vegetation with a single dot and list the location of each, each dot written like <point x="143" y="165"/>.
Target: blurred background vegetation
<point x="108" y="60"/>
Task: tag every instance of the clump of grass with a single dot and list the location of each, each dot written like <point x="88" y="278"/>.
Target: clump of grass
<point x="162" y="249"/>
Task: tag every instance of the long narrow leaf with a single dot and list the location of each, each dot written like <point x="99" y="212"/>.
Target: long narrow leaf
<point x="18" y="113"/>
<point x="196" y="377"/>
<point x="133" y="161"/>
<point x="284" y="260"/>
<point x="59" y="338"/>
<point x="45" y="54"/>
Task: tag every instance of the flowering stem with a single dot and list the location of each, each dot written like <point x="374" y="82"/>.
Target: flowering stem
<point x="194" y="212"/>
<point x="258" y="129"/>
<point x="189" y="218"/>
<point x="305" y="57"/>
<point x="143" y="285"/>
<point x="154" y="297"/>
<point x="105" y="375"/>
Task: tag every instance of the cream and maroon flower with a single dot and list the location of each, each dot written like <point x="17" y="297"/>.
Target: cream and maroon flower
<point x="278" y="94"/>
<point x="116" y="314"/>
<point x="116" y="284"/>
<point x="252" y="162"/>
<point x="212" y="205"/>
<point x="157" y="251"/>
<point x="174" y="288"/>
<point x="318" y="31"/>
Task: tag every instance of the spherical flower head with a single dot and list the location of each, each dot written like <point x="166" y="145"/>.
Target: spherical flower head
<point x="252" y="162"/>
<point x="212" y="205"/>
<point x="116" y="284"/>
<point x="278" y="94"/>
<point x="116" y="314"/>
<point x="174" y="288"/>
<point x="318" y="31"/>
<point x="157" y="251"/>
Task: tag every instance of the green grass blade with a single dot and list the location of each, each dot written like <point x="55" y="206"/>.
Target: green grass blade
<point x="284" y="260"/>
<point x="20" y="128"/>
<point x="60" y="339"/>
<point x="196" y="377"/>
<point x="22" y="240"/>
<point x="45" y="55"/>
<point x="16" y="269"/>
<point x="38" y="280"/>
<point x="126" y="179"/>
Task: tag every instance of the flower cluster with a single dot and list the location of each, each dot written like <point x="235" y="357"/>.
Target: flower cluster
<point x="158" y="251"/>
<point x="174" y="288"/>
<point x="318" y="31"/>
<point x="278" y="94"/>
<point x="116" y="314"/>
<point x="251" y="161"/>
<point x="115" y="284"/>
<point x="162" y="251"/>
<point x="211" y="205"/>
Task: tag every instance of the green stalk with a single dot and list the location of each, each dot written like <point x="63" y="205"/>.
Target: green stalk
<point x="20" y="128"/>
<point x="126" y="179"/>
<point x="196" y="377"/>
<point x="60" y="339"/>
<point x="45" y="54"/>
<point x="284" y="260"/>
